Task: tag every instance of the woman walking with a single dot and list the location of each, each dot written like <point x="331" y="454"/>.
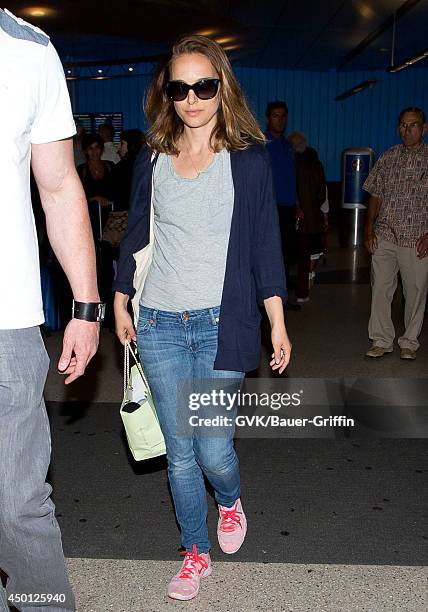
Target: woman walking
<point x="216" y="255"/>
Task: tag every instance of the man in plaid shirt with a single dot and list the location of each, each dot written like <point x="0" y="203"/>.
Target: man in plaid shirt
<point x="396" y="235"/>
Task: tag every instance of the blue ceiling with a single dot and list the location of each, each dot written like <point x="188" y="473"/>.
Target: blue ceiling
<point x="302" y="35"/>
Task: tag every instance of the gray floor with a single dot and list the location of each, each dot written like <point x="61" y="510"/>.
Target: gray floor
<point x="336" y="524"/>
<point x="307" y="500"/>
<point x="138" y="586"/>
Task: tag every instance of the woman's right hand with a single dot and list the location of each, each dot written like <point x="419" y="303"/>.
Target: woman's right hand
<point x="125" y="330"/>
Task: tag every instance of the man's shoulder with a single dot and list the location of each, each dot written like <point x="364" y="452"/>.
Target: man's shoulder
<point x="392" y="153"/>
<point x="424" y="149"/>
<point x="18" y="29"/>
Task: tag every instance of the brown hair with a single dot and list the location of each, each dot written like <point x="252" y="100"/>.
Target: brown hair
<point x="236" y="126"/>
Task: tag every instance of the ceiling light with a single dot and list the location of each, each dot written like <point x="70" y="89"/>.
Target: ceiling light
<point x="231" y="47"/>
<point x="130" y="69"/>
<point x="365" y="10"/>
<point x="224" y="40"/>
<point x="207" y="32"/>
<point x="409" y="62"/>
<point x="354" y="90"/>
<point x="100" y="71"/>
<point x="38" y="11"/>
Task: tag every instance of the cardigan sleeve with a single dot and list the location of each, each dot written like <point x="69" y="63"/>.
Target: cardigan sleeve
<point x="137" y="233"/>
<point x="267" y="260"/>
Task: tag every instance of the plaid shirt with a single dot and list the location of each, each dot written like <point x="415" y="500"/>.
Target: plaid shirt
<point x="400" y="179"/>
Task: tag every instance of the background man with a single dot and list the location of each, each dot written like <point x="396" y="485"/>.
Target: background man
<point x="284" y="177"/>
<point x="34" y="98"/>
<point x="397" y="235"/>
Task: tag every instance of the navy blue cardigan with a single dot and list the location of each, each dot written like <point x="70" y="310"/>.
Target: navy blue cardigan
<point x="254" y="265"/>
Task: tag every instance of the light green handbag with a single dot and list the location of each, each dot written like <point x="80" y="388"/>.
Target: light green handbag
<point x="138" y="412"/>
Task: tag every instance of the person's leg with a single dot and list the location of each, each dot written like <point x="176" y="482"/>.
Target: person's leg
<point x="30" y="541"/>
<point x="414" y="275"/>
<point x="213" y="446"/>
<point x="167" y="360"/>
<point x="316" y="253"/>
<point x="287" y="224"/>
<point x="303" y="264"/>
<point x="384" y="283"/>
<point x="3" y="601"/>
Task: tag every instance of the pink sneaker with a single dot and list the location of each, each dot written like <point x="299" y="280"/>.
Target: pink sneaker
<point x="231" y="528"/>
<point x="185" y="584"/>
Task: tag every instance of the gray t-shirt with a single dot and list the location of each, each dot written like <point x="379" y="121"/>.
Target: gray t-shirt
<point x="192" y="228"/>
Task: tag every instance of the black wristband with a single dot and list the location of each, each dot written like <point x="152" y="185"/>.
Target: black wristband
<point x="89" y="311"/>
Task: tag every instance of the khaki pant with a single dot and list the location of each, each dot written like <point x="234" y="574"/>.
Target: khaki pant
<point x="387" y="260"/>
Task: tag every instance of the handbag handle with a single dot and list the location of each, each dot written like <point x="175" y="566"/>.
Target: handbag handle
<point x="127" y="369"/>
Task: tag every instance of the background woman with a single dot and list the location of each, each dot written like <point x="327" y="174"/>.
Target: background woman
<point x="311" y="195"/>
<point x="216" y="255"/>
<point x="95" y="172"/>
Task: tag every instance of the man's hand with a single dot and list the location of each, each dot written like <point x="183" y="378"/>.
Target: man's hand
<point x="422" y="246"/>
<point x="371" y="242"/>
<point x="370" y="238"/>
<point x="79" y="346"/>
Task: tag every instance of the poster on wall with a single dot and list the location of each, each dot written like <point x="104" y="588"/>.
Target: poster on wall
<point x="92" y="121"/>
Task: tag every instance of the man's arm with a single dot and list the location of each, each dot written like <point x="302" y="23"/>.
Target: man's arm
<point x="370" y="238"/>
<point x="70" y="235"/>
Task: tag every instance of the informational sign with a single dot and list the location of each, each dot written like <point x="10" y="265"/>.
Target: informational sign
<point x="92" y="121"/>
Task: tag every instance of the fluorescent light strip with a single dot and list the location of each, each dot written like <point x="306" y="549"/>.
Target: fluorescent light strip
<point x="409" y="62"/>
<point x="355" y="90"/>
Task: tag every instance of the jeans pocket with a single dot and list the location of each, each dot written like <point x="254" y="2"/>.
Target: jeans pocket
<point x="145" y="324"/>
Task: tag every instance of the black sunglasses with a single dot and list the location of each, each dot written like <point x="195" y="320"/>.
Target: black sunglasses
<point x="205" y="89"/>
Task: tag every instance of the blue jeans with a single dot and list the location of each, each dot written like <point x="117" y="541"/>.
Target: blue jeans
<point x="176" y="347"/>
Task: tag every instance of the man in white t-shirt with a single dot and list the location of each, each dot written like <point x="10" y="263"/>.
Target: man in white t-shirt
<point x="37" y="127"/>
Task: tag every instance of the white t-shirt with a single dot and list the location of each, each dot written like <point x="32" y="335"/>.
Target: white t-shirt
<point x="34" y="109"/>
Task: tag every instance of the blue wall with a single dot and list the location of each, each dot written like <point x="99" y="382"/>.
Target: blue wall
<point x="366" y="119"/>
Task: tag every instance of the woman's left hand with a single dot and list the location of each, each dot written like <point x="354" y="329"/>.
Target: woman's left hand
<point x="282" y="348"/>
